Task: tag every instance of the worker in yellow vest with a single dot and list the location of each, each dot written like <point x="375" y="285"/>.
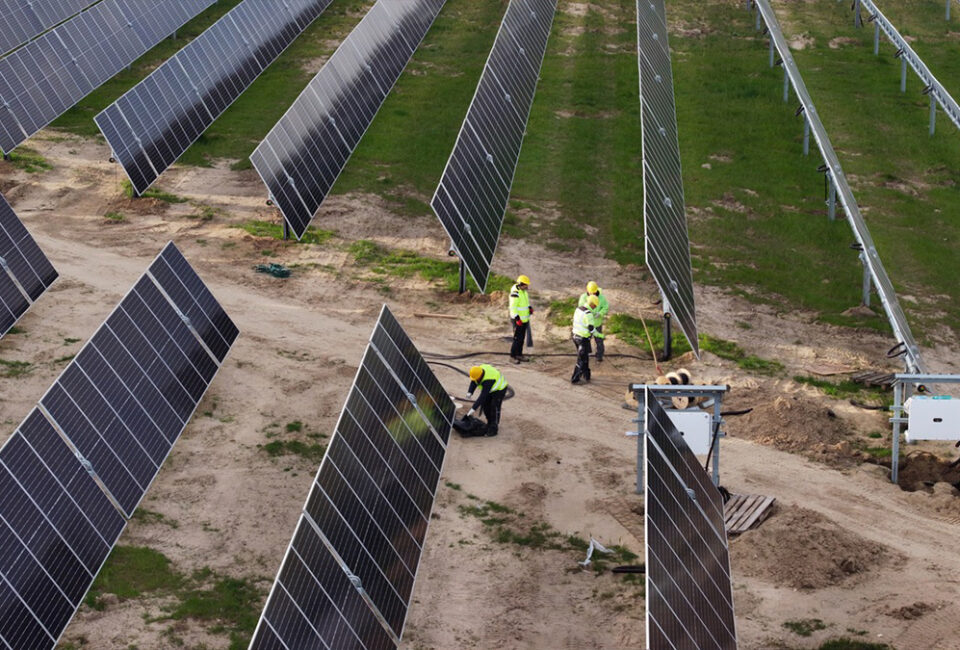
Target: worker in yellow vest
<point x="493" y="388"/>
<point x="582" y="333"/>
<point x="520" y="312"/>
<point x="599" y="314"/>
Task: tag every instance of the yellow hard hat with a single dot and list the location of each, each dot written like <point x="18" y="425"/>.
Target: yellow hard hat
<point x="592" y="287"/>
<point x="592" y="302"/>
<point x="523" y="280"/>
<point x="476" y="373"/>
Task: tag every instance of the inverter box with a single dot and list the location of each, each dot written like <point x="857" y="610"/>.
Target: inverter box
<point x="694" y="425"/>
<point x="933" y="417"/>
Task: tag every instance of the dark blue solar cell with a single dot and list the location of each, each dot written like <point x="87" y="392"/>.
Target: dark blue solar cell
<point x="30" y="269"/>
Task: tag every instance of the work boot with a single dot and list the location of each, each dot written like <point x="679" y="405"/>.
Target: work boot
<point x="490" y="433"/>
<point x="515" y="360"/>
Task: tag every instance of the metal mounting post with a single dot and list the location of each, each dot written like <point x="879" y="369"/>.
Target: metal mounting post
<point x="933" y="114"/>
<point x="806" y="136"/>
<point x="772" y="51"/>
<point x="667" y="337"/>
<point x="903" y="74"/>
<point x="857" y="16"/>
<point x="867" y="282"/>
<point x="948" y="10"/>
<point x="876" y="38"/>
<point x="758" y="20"/>
<point x="897" y="413"/>
<point x="831" y="198"/>
<point x="6" y="157"/>
<point x="463" y="277"/>
<point x="286" y="230"/>
<point x="786" y="85"/>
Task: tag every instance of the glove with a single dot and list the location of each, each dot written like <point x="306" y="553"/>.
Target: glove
<point x="518" y="321"/>
<point x="531" y="310"/>
<point x="470" y="395"/>
<point x="470" y="412"/>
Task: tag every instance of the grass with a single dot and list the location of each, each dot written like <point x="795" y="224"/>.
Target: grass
<point x="844" y="643"/>
<point x="844" y="389"/>
<point x="131" y="571"/>
<point x="385" y="262"/>
<point x="114" y="216"/>
<point x="806" y="626"/>
<point x="13" y="369"/>
<point x="270" y="230"/>
<point x="310" y="451"/>
<point x="151" y="517"/>
<point x="152" y="193"/>
<point x="30" y="161"/>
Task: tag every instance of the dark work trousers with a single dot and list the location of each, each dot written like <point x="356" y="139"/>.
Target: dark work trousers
<point x="599" y="341"/>
<point x="519" y="336"/>
<point x="491" y="411"/>
<point x="582" y="370"/>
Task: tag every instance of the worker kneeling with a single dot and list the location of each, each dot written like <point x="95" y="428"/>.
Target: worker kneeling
<point x="583" y="329"/>
<point x="493" y="388"/>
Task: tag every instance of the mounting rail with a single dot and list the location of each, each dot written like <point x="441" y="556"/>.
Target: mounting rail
<point x="907" y="345"/>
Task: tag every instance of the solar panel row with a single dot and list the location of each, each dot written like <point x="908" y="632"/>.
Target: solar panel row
<point x="348" y="575"/>
<point x="304" y="154"/>
<point x="21" y="20"/>
<point x="43" y="79"/>
<point x="121" y="403"/>
<point x="471" y="199"/>
<point x="127" y="396"/>
<point x="667" y="248"/>
<point x="689" y="589"/>
<point x="156" y="121"/>
<point x="25" y="272"/>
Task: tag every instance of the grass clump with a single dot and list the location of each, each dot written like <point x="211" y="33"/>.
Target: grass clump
<point x="275" y="231"/>
<point x="294" y="427"/>
<point x="561" y="311"/>
<point x="806" y="626"/>
<point x="732" y="352"/>
<point x="152" y="193"/>
<point x="131" y="571"/>
<point x="403" y="264"/>
<point x="114" y="216"/>
<point x="232" y="604"/>
<point x="844" y="643"/>
<point x="152" y="517"/>
<point x="310" y="451"/>
<point x="629" y="329"/>
<point x="842" y="389"/>
<point x="13" y="369"/>
<point x="29" y="161"/>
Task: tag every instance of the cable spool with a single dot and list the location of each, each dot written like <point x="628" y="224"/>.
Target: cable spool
<point x="681" y="377"/>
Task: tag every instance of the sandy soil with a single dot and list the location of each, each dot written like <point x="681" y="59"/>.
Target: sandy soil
<point x="846" y="547"/>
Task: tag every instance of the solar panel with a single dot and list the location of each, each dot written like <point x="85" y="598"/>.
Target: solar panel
<point x="43" y="79"/>
<point x="128" y="395"/>
<point x="56" y="530"/>
<point x="667" y="245"/>
<point x="689" y="590"/>
<point x="21" y="20"/>
<point x="347" y="578"/>
<point x="156" y="121"/>
<point x="304" y="154"/>
<point x="471" y="199"/>
<point x="25" y="272"/>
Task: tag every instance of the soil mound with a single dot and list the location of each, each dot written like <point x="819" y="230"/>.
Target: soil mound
<point x="798" y="425"/>
<point x="921" y="470"/>
<point x="802" y="549"/>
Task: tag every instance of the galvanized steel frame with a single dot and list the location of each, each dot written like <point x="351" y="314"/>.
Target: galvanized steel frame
<point x="902" y="389"/>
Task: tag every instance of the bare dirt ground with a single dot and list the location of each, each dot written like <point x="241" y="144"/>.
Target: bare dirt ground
<point x="868" y="559"/>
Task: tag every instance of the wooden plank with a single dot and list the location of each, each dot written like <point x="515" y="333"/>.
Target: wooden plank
<point x="745" y="510"/>
<point x="760" y="514"/>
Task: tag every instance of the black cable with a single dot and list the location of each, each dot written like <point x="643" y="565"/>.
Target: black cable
<point x="454" y="357"/>
<point x="509" y="394"/>
<point x="869" y="407"/>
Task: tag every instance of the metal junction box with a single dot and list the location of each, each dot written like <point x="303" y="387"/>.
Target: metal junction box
<point x="933" y="418"/>
<point x="694" y="425"/>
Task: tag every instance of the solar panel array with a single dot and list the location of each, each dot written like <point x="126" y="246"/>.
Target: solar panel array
<point x="871" y="257"/>
<point x="121" y="404"/>
<point x="689" y="590"/>
<point x="25" y="272"/>
<point x="348" y="575"/>
<point x="21" y="20"/>
<point x="157" y="120"/>
<point x="304" y="154"/>
<point x="471" y="199"/>
<point x="667" y="244"/>
<point x="43" y="79"/>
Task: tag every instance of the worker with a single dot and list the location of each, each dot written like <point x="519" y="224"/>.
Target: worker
<point x="599" y="314"/>
<point x="582" y="333"/>
<point x="520" y="312"/>
<point x="493" y="387"/>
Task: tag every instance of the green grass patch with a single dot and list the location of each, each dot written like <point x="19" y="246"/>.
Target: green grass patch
<point x="404" y="264"/>
<point x="152" y="517"/>
<point x="231" y="604"/>
<point x="114" y="216"/>
<point x="880" y="452"/>
<point x="66" y="359"/>
<point x="271" y="230"/>
<point x="310" y="451"/>
<point x="845" y="389"/>
<point x="845" y="643"/>
<point x="30" y="161"/>
<point x="13" y="369"/>
<point x="806" y="626"/>
<point x="131" y="571"/>
<point x="294" y="427"/>
<point x="629" y="329"/>
<point x="152" y="193"/>
<point x="732" y="352"/>
<point x="560" y="312"/>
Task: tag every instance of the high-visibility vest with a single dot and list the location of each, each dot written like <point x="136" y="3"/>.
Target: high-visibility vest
<point x="519" y="304"/>
<point x="602" y="309"/>
<point x="582" y="320"/>
<point x="489" y="372"/>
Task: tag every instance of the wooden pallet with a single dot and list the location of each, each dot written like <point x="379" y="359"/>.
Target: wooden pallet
<point x="745" y="511"/>
<point x="872" y="379"/>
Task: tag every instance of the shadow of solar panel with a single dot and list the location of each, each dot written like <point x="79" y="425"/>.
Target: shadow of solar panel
<point x="667" y="247"/>
<point x="127" y="396"/>
<point x="304" y="154"/>
<point x="471" y="199"/>
<point x="47" y="76"/>
<point x="348" y="576"/>
<point x="25" y="272"/>
<point x="56" y="530"/>
<point x="21" y="20"/>
<point x="156" y="121"/>
<point x="689" y="590"/>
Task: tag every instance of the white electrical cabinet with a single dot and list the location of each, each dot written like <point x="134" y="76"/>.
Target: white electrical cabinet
<point x="932" y="417"/>
<point x="695" y="427"/>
